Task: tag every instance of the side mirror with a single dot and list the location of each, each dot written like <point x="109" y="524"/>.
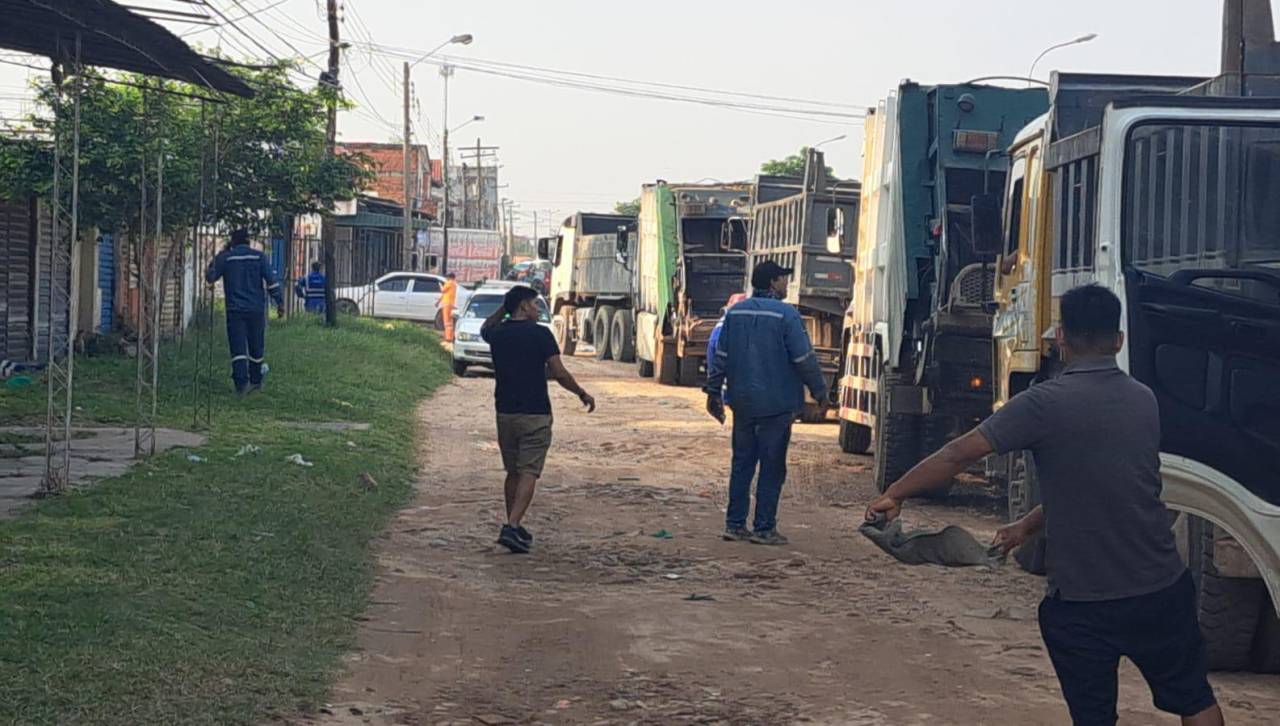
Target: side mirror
<point x="621" y="242"/>
<point x="543" y="252"/>
<point x="987" y="224"/>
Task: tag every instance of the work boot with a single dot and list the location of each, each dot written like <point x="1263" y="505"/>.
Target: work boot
<point x="736" y="534"/>
<point x="511" y="540"/>
<point x="242" y="389"/>
<point x="770" y="537"/>
<point x="256" y="387"/>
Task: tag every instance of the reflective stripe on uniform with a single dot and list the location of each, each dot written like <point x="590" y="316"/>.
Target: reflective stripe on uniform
<point x="801" y="358"/>
<point x="766" y="313"/>
<point x="235" y="358"/>
<point x="254" y="360"/>
<point x="239" y="258"/>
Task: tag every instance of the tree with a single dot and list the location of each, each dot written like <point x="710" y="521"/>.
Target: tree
<point x="790" y="166"/>
<point x="632" y="207"/>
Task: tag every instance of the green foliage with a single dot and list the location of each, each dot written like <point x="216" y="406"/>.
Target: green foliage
<point x="632" y="207"/>
<point x="790" y="166"/>
<point x="269" y="151"/>
<point x="223" y="591"/>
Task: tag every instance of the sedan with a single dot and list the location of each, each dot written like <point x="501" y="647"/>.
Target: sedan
<point x="468" y="347"/>
<point x="400" y="295"/>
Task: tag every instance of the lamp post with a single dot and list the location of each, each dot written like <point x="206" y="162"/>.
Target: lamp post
<point x="447" y="71"/>
<point x="464" y="39"/>
<point x="1077" y="41"/>
<point x="841" y="137"/>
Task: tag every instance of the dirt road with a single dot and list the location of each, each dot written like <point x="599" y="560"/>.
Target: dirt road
<point x="605" y="623"/>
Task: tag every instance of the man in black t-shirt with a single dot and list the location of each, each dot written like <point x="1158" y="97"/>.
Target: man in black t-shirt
<point x="525" y="354"/>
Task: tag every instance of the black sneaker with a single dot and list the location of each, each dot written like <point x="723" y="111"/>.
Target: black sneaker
<point x="524" y="534"/>
<point x="736" y="534"/>
<point x="510" y="539"/>
<point x="770" y="537"/>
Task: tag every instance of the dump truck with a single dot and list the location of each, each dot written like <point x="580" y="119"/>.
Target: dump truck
<point x="689" y="258"/>
<point x="591" y="284"/>
<point x="809" y="224"/>
<point x="917" y="336"/>
<point x="1162" y="189"/>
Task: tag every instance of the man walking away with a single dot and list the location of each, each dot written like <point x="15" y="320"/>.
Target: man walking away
<point x="525" y="354"/>
<point x="1116" y="584"/>
<point x="449" y="298"/>
<point x="763" y="360"/>
<point x="311" y="290"/>
<point x="247" y="280"/>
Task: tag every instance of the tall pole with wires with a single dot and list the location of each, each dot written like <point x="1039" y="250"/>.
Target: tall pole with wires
<point x="445" y="71"/>
<point x="408" y="200"/>
<point x="329" y="231"/>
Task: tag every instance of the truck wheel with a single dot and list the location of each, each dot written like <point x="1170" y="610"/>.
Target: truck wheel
<point x="1229" y="608"/>
<point x="854" y="438"/>
<point x="935" y="432"/>
<point x="666" y="364"/>
<point x="601" y="329"/>
<point x="1024" y="496"/>
<point x="1266" y="647"/>
<point x="689" y="373"/>
<point x="562" y="328"/>
<point x="897" y="437"/>
<point x="644" y="368"/>
<point x="459" y="368"/>
<point x="622" y="339"/>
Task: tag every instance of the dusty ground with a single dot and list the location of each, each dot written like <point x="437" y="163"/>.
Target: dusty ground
<point x="597" y="625"/>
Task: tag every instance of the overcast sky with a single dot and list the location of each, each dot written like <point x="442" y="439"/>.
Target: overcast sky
<point x="565" y="149"/>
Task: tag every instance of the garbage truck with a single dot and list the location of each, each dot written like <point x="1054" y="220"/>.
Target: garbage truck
<point x="917" y="335"/>
<point x="810" y="224"/>
<point x="591" y="284"/>
<point x="689" y="258"/>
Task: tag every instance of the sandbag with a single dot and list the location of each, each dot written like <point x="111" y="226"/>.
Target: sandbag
<point x="950" y="546"/>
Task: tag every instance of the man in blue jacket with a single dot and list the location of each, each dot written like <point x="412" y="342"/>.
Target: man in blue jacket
<point x="311" y="290"/>
<point x="247" y="280"/>
<point x="763" y="360"/>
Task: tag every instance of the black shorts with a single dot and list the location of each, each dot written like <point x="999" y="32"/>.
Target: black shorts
<point x="1157" y="631"/>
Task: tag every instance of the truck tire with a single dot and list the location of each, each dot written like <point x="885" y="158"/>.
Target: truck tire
<point x="897" y="437"/>
<point x="562" y="328"/>
<point x="622" y="339"/>
<point x="854" y="438"/>
<point x="1266" y="646"/>
<point x="666" y="364"/>
<point x="935" y="432"/>
<point x="689" y="374"/>
<point x="1229" y="608"/>
<point x="601" y="329"/>
<point x="1024" y="496"/>
<point x="644" y="368"/>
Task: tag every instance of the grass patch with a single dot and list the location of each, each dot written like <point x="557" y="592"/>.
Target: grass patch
<point x="216" y="592"/>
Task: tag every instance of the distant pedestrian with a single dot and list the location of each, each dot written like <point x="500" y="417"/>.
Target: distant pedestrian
<point x="311" y="290"/>
<point x="247" y="281"/>
<point x="1116" y="584"/>
<point x="448" y="299"/>
<point x="763" y="361"/>
<point x="525" y="354"/>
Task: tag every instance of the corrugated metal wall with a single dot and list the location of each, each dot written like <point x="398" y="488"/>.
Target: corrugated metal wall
<point x="50" y="315"/>
<point x="107" y="281"/>
<point x="15" y="280"/>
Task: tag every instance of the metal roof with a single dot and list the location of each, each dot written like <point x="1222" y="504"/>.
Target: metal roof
<point x="111" y="36"/>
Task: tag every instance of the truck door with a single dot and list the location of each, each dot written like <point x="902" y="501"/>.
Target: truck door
<point x="1201" y="248"/>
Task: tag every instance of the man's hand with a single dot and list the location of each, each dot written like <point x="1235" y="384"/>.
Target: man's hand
<point x="1015" y="534"/>
<point x="588" y="400"/>
<point x="885" y="505"/>
<point x="715" y="407"/>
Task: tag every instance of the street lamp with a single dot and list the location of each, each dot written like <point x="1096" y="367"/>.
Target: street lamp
<point x="1077" y="41"/>
<point x="464" y="39"/>
<point x="830" y="140"/>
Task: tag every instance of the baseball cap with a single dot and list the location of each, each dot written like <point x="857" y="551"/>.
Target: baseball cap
<point x="766" y="272"/>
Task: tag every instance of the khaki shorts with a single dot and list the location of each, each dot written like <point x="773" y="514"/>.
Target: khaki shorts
<point x="524" y="439"/>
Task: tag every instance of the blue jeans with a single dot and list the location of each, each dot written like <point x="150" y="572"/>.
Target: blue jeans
<point x="246" y="336"/>
<point x="758" y="442"/>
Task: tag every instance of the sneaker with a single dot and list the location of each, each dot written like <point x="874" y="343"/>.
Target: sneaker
<point x="736" y="534"/>
<point x="770" y="537"/>
<point x="524" y="534"/>
<point x="511" y="540"/>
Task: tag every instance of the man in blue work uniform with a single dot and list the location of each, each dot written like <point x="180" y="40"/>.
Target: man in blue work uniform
<point x="247" y="280"/>
<point x="763" y="361"/>
<point x="311" y="290"/>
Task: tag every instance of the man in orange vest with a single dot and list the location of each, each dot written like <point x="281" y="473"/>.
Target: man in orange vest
<point x="448" y="298"/>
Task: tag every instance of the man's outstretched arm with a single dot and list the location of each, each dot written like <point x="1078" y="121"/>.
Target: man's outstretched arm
<point x="558" y="373"/>
<point x="932" y="474"/>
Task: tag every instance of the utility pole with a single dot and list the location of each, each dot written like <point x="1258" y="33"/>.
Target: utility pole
<point x="446" y="71"/>
<point x="408" y="200"/>
<point x="329" y="230"/>
<point x="466" y="203"/>
<point x="479" y="188"/>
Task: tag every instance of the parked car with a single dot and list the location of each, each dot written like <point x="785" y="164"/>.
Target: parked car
<point x="400" y="295"/>
<point x="468" y="347"/>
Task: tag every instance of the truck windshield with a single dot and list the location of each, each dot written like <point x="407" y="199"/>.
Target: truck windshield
<point x="1203" y="196"/>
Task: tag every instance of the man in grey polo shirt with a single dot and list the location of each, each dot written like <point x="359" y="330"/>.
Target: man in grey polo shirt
<point x="1116" y="584"/>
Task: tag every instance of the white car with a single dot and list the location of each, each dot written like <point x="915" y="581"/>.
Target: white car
<point x="400" y="295"/>
<point x="468" y="347"/>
